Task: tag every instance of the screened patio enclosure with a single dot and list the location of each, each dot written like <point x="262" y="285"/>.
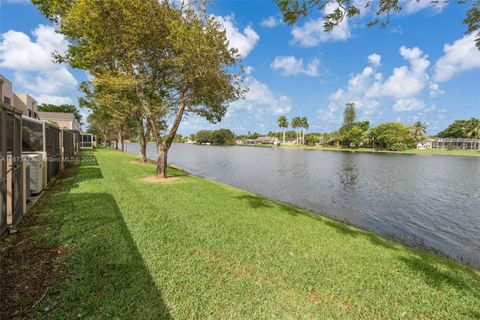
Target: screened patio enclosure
<point x="44" y="137"/>
<point x="456" y="143"/>
<point x="3" y="171"/>
<point x="12" y="186"/>
<point x="87" y="141"/>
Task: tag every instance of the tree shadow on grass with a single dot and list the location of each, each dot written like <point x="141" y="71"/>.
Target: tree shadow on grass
<point x="447" y="275"/>
<point x="107" y="277"/>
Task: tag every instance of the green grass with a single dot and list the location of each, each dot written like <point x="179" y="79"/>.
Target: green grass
<point x="201" y="249"/>
<point x="411" y="151"/>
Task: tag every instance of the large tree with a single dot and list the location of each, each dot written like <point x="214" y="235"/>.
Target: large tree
<point x="176" y="57"/>
<point x="393" y="136"/>
<point x="282" y="122"/>
<point x="339" y="10"/>
<point x="459" y="128"/>
<point x="349" y="114"/>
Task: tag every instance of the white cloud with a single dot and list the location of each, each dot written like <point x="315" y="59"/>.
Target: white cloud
<point x="249" y="70"/>
<point x="460" y="56"/>
<point x="271" y="22"/>
<point x="261" y="100"/>
<point x="312" y="33"/>
<point x="375" y="60"/>
<point x="406" y="82"/>
<point x="244" y="41"/>
<point x="435" y="90"/>
<point x="413" y="6"/>
<point x="369" y="89"/>
<point x="52" y="99"/>
<point x="411" y="104"/>
<point x="33" y="66"/>
<point x="291" y="66"/>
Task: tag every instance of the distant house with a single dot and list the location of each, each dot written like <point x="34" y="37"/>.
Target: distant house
<point x="266" y="140"/>
<point x="426" y="144"/>
<point x="63" y="120"/>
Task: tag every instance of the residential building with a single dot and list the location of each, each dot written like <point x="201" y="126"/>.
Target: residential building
<point x="26" y="104"/>
<point x="20" y="101"/>
<point x="6" y="91"/>
<point x="63" y="120"/>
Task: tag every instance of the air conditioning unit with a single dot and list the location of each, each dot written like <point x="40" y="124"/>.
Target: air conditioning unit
<point x="35" y="162"/>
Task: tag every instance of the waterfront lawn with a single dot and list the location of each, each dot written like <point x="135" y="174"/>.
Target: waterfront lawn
<point x="200" y="249"/>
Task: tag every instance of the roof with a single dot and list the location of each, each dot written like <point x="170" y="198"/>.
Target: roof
<point x="56" y="116"/>
<point x="266" y="138"/>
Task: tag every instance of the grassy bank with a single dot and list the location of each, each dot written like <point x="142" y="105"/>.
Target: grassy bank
<point x="411" y="151"/>
<point x="200" y="249"/>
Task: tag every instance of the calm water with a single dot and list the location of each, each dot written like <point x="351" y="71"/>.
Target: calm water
<point x="431" y="202"/>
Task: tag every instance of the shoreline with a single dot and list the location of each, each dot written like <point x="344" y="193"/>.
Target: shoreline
<point x="430" y="152"/>
<point x="413" y="244"/>
<point x="199" y="248"/>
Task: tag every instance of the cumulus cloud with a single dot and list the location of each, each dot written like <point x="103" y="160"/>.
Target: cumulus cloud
<point x="261" y="100"/>
<point x="370" y="89"/>
<point x="410" y="104"/>
<point x="460" y="56"/>
<point x="244" y="41"/>
<point x="312" y="33"/>
<point x="291" y="66"/>
<point x="375" y="60"/>
<point x="33" y="66"/>
<point x="408" y="81"/>
<point x="271" y="22"/>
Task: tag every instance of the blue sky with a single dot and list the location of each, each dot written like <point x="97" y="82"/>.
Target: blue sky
<point x="421" y="67"/>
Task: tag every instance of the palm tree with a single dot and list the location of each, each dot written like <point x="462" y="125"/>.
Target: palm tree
<point x="419" y="130"/>
<point x="283" y="123"/>
<point x="304" y="123"/>
<point x="296" y="123"/>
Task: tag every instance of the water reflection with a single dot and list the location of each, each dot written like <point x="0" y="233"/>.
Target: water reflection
<point x="348" y="173"/>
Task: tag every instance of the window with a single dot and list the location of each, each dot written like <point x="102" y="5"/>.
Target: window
<point x="6" y="100"/>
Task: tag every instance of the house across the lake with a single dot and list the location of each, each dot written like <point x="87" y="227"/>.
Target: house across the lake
<point x="259" y="140"/>
<point x="450" y="144"/>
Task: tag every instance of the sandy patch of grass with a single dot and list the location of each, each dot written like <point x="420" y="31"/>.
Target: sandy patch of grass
<point x="156" y="179"/>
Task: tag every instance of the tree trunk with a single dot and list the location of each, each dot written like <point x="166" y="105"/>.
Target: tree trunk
<point x="283" y="135"/>
<point x="120" y="141"/>
<point x="142" y="140"/>
<point x="162" y="153"/>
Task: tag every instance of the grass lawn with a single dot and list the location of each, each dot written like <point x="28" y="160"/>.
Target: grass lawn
<point x="201" y="249"/>
<point x="411" y="151"/>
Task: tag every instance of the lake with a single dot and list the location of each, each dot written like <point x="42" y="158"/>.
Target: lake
<point x="427" y="201"/>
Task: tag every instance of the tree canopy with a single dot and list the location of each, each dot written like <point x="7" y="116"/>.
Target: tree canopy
<point x="67" y="108"/>
<point x="460" y="128"/>
<point x="163" y="59"/>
